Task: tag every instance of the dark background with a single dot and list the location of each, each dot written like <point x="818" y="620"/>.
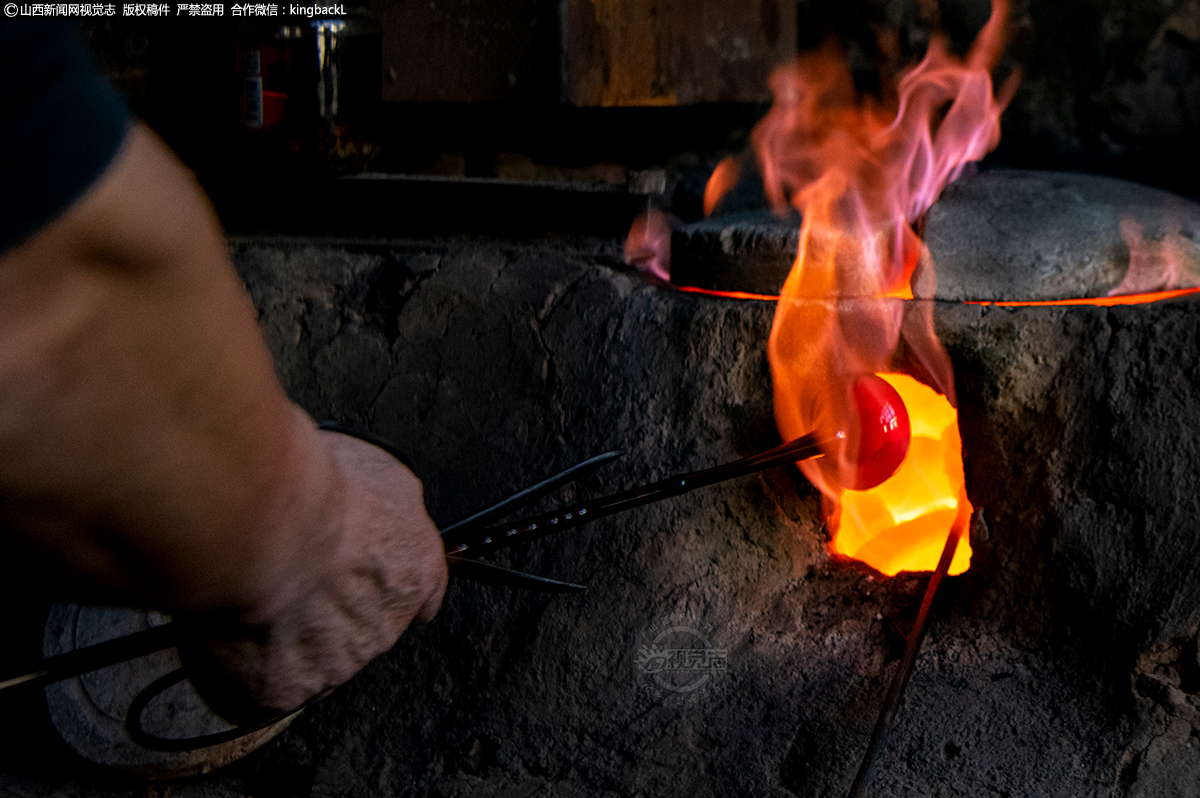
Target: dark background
<point x="577" y="91"/>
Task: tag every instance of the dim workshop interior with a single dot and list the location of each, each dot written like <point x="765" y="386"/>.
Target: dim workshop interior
<point x="847" y="351"/>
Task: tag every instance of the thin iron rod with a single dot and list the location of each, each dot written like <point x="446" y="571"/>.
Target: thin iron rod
<point x="478" y="543"/>
<point x="101" y="655"/>
<point x="912" y="646"/>
<point x="148" y="641"/>
<point x="489" y="573"/>
<point x="533" y="492"/>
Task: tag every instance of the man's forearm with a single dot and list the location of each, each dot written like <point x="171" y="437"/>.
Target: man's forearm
<point x="144" y="439"/>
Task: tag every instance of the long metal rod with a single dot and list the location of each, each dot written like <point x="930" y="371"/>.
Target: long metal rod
<point x="477" y="543"/>
<point x="531" y="494"/>
<point x="912" y="646"/>
<point x="100" y="655"/>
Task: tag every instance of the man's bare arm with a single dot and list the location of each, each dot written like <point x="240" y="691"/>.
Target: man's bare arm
<point x="146" y="445"/>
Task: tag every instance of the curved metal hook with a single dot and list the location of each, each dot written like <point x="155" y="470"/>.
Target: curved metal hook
<point x="133" y="721"/>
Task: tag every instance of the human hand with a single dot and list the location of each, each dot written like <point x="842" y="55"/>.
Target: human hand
<point x="355" y="577"/>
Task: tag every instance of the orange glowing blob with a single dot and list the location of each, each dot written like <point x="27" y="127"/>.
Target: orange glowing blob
<point x="884" y="433"/>
<point x="901" y="523"/>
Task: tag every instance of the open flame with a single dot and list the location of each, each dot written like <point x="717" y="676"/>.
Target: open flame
<point x="862" y="173"/>
<point x="1167" y="265"/>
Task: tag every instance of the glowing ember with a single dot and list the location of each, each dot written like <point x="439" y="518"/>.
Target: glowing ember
<point x="1100" y="301"/>
<point x="861" y="174"/>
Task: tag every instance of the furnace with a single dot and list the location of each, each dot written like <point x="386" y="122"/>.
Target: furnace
<point x="473" y="305"/>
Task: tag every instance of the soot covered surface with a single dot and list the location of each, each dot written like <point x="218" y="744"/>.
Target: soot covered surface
<point x="1063" y="663"/>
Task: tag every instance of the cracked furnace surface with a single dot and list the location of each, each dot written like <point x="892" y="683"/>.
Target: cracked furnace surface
<point x="1061" y="664"/>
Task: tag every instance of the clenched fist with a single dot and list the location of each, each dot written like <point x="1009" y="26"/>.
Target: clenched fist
<point x="347" y="581"/>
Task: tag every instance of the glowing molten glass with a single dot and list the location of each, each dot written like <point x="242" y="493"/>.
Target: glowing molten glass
<point x="884" y="432"/>
<point x="901" y="523"/>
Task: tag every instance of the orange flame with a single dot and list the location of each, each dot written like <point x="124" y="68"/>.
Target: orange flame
<point x="861" y="175"/>
<point x="720" y="182"/>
